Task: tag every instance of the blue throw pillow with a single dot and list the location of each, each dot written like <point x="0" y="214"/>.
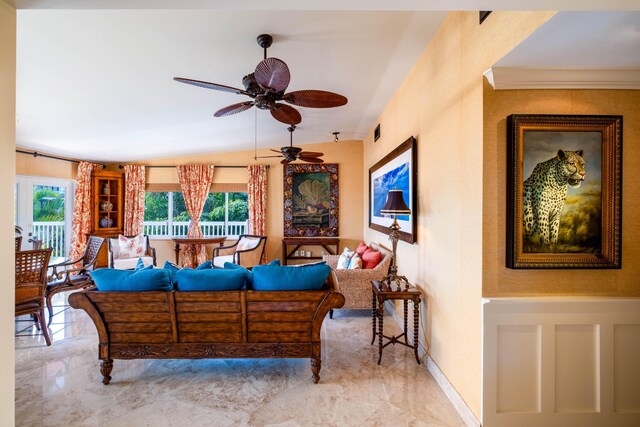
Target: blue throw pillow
<point x="204" y="265"/>
<point x="275" y="262"/>
<point x="212" y="279"/>
<point x="146" y="279"/>
<point x="288" y="278"/>
<point x="139" y="264"/>
<point x="231" y="266"/>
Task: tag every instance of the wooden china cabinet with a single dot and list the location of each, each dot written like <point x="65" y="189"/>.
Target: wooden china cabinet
<point x="107" y="206"/>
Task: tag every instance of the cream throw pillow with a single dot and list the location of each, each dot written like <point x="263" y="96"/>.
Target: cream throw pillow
<point x="356" y="262"/>
<point x="345" y="259"/>
<point x="131" y="248"/>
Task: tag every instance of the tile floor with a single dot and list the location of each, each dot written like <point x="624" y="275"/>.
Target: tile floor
<point x="61" y="385"/>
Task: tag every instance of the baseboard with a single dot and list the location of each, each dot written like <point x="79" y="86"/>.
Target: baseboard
<point x="456" y="400"/>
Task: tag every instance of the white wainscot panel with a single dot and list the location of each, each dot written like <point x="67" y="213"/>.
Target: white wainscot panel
<point x="561" y="362"/>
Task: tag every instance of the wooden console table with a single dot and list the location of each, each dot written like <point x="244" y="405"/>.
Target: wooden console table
<point x="382" y="291"/>
<point x="190" y="241"/>
<point x="330" y="244"/>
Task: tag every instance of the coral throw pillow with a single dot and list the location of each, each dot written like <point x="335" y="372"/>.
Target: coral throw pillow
<point x="361" y="249"/>
<point x="371" y="258"/>
<point x="131" y="248"/>
<point x="345" y="259"/>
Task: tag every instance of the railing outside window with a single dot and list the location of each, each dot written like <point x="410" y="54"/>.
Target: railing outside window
<point x="52" y="235"/>
<point x="170" y="229"/>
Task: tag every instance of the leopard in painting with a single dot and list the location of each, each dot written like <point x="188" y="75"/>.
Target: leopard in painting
<point x="545" y="191"/>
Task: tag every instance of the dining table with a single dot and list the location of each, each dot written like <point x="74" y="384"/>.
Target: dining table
<point x="192" y="241"/>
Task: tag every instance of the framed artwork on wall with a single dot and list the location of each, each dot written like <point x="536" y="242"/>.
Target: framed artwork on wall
<point x="397" y="170"/>
<point x="564" y="184"/>
<point x="311" y="200"/>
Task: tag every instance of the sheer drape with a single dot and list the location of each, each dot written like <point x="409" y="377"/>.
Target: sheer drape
<point x="81" y="222"/>
<point x="134" y="181"/>
<point x="257" y="200"/>
<point x="195" y="181"/>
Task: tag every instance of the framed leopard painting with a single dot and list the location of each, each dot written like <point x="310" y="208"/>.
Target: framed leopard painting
<point x="564" y="183"/>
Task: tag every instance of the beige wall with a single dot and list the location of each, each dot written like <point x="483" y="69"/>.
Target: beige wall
<point x="499" y="281"/>
<point x="7" y="172"/>
<point x="348" y="155"/>
<point x="42" y="166"/>
<point x="441" y="104"/>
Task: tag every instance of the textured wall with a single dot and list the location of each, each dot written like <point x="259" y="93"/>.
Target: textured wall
<point x="499" y="281"/>
<point x="441" y="104"/>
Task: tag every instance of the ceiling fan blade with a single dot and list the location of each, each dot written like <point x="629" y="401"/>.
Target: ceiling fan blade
<point x="272" y="73"/>
<point x="311" y="159"/>
<point x="287" y="115"/>
<point x="207" y="85"/>
<point x="311" y="154"/>
<point x="285" y="161"/>
<point x="276" y="151"/>
<point x="315" y="99"/>
<point x="233" y="109"/>
<point x="266" y="157"/>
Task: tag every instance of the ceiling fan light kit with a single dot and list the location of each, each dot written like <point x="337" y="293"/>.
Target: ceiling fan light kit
<point x="266" y="86"/>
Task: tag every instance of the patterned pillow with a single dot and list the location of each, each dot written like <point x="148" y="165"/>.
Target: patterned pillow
<point x="131" y="248"/>
<point x="356" y="262"/>
<point x="345" y="258"/>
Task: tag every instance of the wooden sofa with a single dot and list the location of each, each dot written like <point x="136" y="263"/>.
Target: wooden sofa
<point x="208" y="324"/>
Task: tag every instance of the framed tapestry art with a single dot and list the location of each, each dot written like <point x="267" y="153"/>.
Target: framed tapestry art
<point x="564" y="183"/>
<point x="397" y="170"/>
<point x="311" y="200"/>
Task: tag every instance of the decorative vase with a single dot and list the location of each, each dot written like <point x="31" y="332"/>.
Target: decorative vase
<point x="105" y="189"/>
<point x="106" y="206"/>
<point x="104" y="222"/>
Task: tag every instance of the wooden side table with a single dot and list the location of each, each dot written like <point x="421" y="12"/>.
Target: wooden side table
<point x="330" y="244"/>
<point x="192" y="241"/>
<point x="381" y="291"/>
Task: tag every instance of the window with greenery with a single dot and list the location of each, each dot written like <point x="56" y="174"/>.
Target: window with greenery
<point x="165" y="214"/>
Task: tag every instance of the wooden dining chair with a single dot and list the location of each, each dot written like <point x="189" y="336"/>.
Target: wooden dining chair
<point x="67" y="276"/>
<point x="31" y="284"/>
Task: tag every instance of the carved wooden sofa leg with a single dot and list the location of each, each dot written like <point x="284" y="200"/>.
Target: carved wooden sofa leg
<point x="106" y="365"/>
<point x="316" y="364"/>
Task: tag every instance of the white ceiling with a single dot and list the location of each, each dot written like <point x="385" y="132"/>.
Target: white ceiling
<point x="97" y="84"/>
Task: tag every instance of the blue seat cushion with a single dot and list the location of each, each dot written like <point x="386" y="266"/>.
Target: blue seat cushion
<point x="145" y="279"/>
<point x="212" y="279"/>
<point x="289" y="278"/>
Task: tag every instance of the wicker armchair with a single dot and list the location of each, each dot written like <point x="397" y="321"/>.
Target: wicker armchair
<point x="31" y="282"/>
<point x="66" y="277"/>
<point x="355" y="285"/>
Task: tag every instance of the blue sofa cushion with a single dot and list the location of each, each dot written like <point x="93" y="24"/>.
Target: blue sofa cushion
<point x="212" y="279"/>
<point x="145" y="279"/>
<point x="289" y="278"/>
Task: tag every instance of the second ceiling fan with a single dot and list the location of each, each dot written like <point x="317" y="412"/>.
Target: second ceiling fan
<point x="266" y="86"/>
<point x="291" y="153"/>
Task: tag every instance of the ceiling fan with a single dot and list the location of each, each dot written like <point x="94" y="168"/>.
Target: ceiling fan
<point x="291" y="153"/>
<point x="266" y="86"/>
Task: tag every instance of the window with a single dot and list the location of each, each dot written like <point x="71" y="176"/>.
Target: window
<point x="224" y="214"/>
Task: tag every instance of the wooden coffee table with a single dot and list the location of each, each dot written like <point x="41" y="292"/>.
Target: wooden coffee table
<point x="191" y="241"/>
<point x="382" y="291"/>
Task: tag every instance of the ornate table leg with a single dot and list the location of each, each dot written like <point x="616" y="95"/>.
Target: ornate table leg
<point x="105" y="369"/>
<point x="380" y="328"/>
<point x="316" y="364"/>
<point x="374" y="315"/>
<point x="176" y="249"/>
<point x="416" y="321"/>
<point x="406" y="304"/>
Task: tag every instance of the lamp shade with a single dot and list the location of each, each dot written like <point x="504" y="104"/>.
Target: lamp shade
<point x="395" y="204"/>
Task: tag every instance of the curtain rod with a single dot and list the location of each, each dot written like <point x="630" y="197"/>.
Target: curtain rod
<point x="215" y="166"/>
<point x="36" y="154"/>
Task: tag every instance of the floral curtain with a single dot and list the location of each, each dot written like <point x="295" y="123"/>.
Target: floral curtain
<point x="133" y="199"/>
<point x="195" y="182"/>
<point x="257" y="199"/>
<point x="81" y="222"/>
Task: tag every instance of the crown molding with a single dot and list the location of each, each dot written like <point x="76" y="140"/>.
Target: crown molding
<point x="502" y="78"/>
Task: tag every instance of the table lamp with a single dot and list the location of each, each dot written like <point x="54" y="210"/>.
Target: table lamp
<point x="395" y="205"/>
